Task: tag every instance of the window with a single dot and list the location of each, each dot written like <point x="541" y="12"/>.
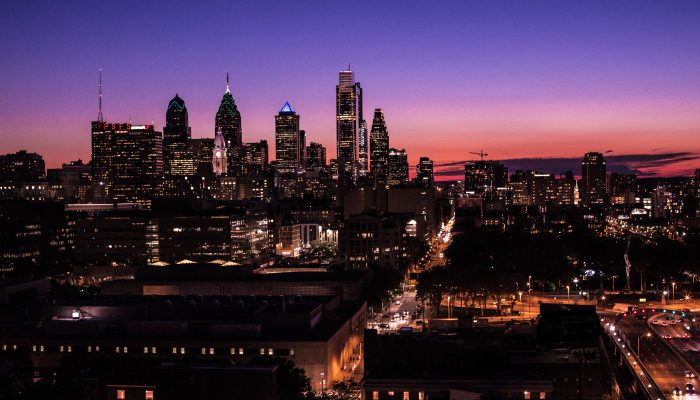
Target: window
<point x="145" y="350"/>
<point x="70" y="349"/>
<point x="153" y="350"/>
<point x="233" y="351"/>
<point x="97" y="348"/>
<point x="241" y="351"/>
<point x="34" y="348"/>
<point x="117" y="349"/>
<point x="543" y="395"/>
<point x="291" y="352"/>
<point x="211" y="351"/>
<point x="182" y="350"/>
<point x="262" y="351"/>
<point x="126" y="349"/>
<point x="60" y="349"/>
<point x="270" y="351"/>
<point x="406" y="396"/>
<point x="121" y="394"/>
<point x="421" y="395"/>
<point x="174" y="350"/>
<point x="149" y="395"/>
<point x="89" y="349"/>
<point x="375" y="395"/>
<point x="204" y="350"/>
<point x="41" y="348"/>
<point x="526" y="395"/>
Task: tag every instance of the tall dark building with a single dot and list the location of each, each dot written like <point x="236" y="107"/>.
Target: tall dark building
<point x="484" y="176"/>
<point x="302" y="148"/>
<point x="346" y="124"/>
<point x="424" y="172"/>
<point x="21" y="167"/>
<point x="228" y="119"/>
<point x="256" y="155"/>
<point x="176" y="133"/>
<point x="315" y="156"/>
<point x="379" y="145"/>
<point x="127" y="161"/>
<point x="287" y="140"/>
<point x="397" y="167"/>
<point x="593" y="178"/>
<point x="363" y="140"/>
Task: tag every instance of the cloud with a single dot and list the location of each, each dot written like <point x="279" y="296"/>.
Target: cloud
<point x="643" y="165"/>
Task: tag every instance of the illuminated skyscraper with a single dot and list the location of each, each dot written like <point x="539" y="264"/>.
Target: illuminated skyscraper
<point x="593" y="178"/>
<point x="127" y="161"/>
<point x="176" y="133"/>
<point x="397" y="167"/>
<point x="346" y="124"/>
<point x="219" y="160"/>
<point x="287" y="140"/>
<point x="228" y="119"/>
<point x="363" y="140"/>
<point x="379" y="145"/>
<point x="302" y="148"/>
<point x="485" y="176"/>
<point x="255" y="155"/>
<point x="424" y="172"/>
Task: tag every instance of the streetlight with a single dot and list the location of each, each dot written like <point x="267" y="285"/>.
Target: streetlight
<point x="648" y="334"/>
<point x="567" y="292"/>
<point x="673" y="290"/>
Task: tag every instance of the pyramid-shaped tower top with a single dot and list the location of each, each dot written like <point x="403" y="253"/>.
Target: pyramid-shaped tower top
<point x="287" y="108"/>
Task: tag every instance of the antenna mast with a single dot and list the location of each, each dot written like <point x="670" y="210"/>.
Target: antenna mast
<point x="99" y="112"/>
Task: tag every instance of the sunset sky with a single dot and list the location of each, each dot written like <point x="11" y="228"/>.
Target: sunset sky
<point x="522" y="80"/>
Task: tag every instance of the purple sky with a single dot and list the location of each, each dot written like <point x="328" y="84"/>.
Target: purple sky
<point x="519" y="79"/>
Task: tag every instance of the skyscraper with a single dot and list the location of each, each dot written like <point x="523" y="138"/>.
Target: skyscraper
<point x="484" y="176"/>
<point x="424" y="172"/>
<point x="315" y="156"/>
<point x="363" y="142"/>
<point x="287" y="139"/>
<point x="397" y="167"/>
<point x="302" y="148"/>
<point x="127" y="161"/>
<point x="593" y="178"/>
<point x="176" y="133"/>
<point x="346" y="124"/>
<point x="379" y="145"/>
<point x="228" y="119"/>
<point x="219" y="160"/>
<point x="255" y="155"/>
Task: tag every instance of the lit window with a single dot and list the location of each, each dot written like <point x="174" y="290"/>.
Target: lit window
<point x="233" y="351"/>
<point x="182" y="350"/>
<point x="121" y="394"/>
<point x="126" y="349"/>
<point x="543" y="395"/>
<point x="97" y="348"/>
<point x="34" y="348"/>
<point x="270" y="351"/>
<point x="60" y="349"/>
<point x="211" y="350"/>
<point x="41" y="348"/>
<point x="149" y="395"/>
<point x="421" y="395"/>
<point x="291" y="352"/>
<point x="405" y="396"/>
<point x="145" y="350"/>
<point x="89" y="349"/>
<point x="391" y="393"/>
<point x="153" y="350"/>
<point x="174" y="350"/>
<point x="262" y="351"/>
<point x="204" y="350"/>
<point x="375" y="395"/>
<point x="526" y="395"/>
<point x="241" y="351"/>
<point x="70" y="349"/>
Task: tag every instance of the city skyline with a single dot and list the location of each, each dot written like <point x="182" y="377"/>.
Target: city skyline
<point x="615" y="83"/>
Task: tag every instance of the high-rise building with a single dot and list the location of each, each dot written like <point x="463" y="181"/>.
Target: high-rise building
<point x="256" y="155"/>
<point x="201" y="150"/>
<point x="176" y="133"/>
<point x="315" y="156"/>
<point x="219" y="160"/>
<point x="363" y="140"/>
<point x="287" y="139"/>
<point x="346" y="124"/>
<point x="379" y="145"/>
<point x="21" y="167"/>
<point x="484" y="176"/>
<point x="397" y="167"/>
<point x="127" y="161"/>
<point x="593" y="178"/>
<point x="424" y="172"/>
<point x="228" y="119"/>
<point x="302" y="148"/>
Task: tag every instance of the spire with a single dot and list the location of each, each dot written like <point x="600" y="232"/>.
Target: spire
<point x="287" y="108"/>
<point x="228" y="86"/>
<point x="99" y="112"/>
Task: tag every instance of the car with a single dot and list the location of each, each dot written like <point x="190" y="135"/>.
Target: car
<point x="397" y="302"/>
<point x="664" y="323"/>
<point x="689" y="388"/>
<point x="689" y="375"/>
<point x="654" y="322"/>
<point x="677" y="391"/>
<point x="384" y="326"/>
<point x="685" y="336"/>
<point x="665" y="336"/>
<point x="419" y="322"/>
